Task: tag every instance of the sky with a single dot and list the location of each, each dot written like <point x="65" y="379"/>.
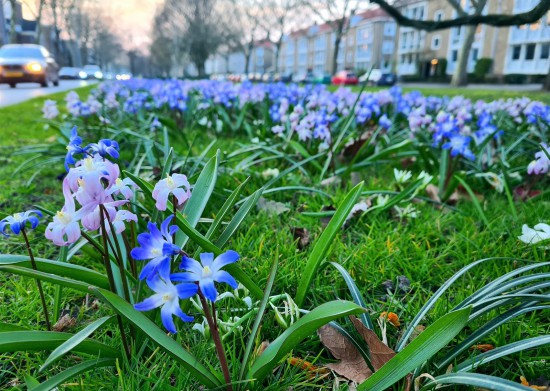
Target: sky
<point x="133" y="19"/>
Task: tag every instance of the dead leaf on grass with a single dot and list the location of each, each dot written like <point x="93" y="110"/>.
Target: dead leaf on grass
<point x="302" y="236"/>
<point x="64" y="323"/>
<point x="272" y="207"/>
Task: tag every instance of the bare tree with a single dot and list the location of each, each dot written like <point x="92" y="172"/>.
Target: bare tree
<point x="337" y="14"/>
<point x="199" y="26"/>
<point x="13" y="21"/>
<point x="280" y="13"/>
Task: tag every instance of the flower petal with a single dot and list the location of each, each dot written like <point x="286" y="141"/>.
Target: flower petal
<point x="149" y="303"/>
<point x="185" y="291"/>
<point x="208" y="289"/>
<point x="207" y="259"/>
<point x="167" y="320"/>
<point x="224" y="259"/>
<point x="191" y="265"/>
<point x="184" y="277"/>
<point x="223" y="276"/>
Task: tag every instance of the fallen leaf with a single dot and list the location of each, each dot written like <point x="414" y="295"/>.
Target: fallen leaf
<point x="302" y="236"/>
<point x="272" y="207"/>
<point x="307" y="366"/>
<point x="332" y="181"/>
<point x="351" y="364"/>
<point x="433" y="192"/>
<point x="64" y="323"/>
<point x="541" y="384"/>
<point x="416" y="332"/>
<point x="354" y="146"/>
<point x="380" y="353"/>
<point x="523" y="193"/>
<point x="484" y="347"/>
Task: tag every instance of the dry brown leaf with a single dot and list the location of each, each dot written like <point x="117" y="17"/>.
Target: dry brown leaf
<point x="380" y="353"/>
<point x="351" y="364"/>
<point x="302" y="235"/>
<point x="64" y="323"/>
<point x="416" y="332"/>
<point x="433" y="192"/>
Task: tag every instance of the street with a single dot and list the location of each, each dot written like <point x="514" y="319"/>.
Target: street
<point x="23" y="92"/>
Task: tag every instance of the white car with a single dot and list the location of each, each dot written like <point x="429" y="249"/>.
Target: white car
<point x="372" y="77"/>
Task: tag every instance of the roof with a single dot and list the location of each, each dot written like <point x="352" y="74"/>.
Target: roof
<point x="326" y="27"/>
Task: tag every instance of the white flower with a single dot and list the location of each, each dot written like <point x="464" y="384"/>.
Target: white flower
<point x="382" y="200"/>
<point x="426" y="178"/>
<point x="536" y="234"/>
<point x="270" y="173"/>
<point x="401" y="176"/>
<point x="496" y="181"/>
<point x="407" y="212"/>
<point x="357" y="209"/>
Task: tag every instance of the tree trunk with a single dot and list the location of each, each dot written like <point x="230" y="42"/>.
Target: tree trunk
<point x="460" y="76"/>
<point x="38" y="21"/>
<point x="200" y="68"/>
<point x="337" y="40"/>
<point x="3" y="38"/>
<point x="247" y="55"/>
<point x="13" y="31"/>
<point x="546" y="86"/>
<point x="278" y="45"/>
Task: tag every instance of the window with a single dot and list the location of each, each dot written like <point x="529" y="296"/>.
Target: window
<point x="436" y="42"/>
<point x="387" y="47"/>
<point x="545" y="51"/>
<point x="389" y="29"/>
<point x="530" y="51"/>
<point x="475" y="53"/>
<point x="516" y="51"/>
<point x="438" y="15"/>
<point x="454" y="55"/>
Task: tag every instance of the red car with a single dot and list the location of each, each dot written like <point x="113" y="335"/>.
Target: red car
<point x="345" y="78"/>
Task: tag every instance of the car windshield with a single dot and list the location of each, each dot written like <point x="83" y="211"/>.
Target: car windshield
<point x="20" y="51"/>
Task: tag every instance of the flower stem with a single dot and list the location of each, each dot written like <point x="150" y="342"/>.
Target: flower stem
<point x="112" y="285"/>
<point x="38" y="283"/>
<point x="217" y="340"/>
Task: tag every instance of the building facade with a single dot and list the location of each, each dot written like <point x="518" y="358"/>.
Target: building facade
<point x="368" y="42"/>
<point x="513" y="50"/>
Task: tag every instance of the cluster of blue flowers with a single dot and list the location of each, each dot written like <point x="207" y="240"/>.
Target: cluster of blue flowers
<point x="311" y="113"/>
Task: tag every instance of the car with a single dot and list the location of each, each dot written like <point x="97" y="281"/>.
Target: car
<point x="387" y="79"/>
<point x="371" y="77"/>
<point x="347" y="78"/>
<point x="72" y="73"/>
<point x="322" y="78"/>
<point x="93" y="72"/>
<point x="27" y="63"/>
<point x="286" y="77"/>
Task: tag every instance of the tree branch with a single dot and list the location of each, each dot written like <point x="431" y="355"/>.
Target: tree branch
<point x="496" y="20"/>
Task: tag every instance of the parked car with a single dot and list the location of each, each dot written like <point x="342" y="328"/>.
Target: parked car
<point x="322" y="78"/>
<point x="387" y="79"/>
<point x="72" y="73"/>
<point x="371" y="77"/>
<point x="345" y="78"/>
<point x="286" y="77"/>
<point x="27" y="64"/>
<point x="93" y="72"/>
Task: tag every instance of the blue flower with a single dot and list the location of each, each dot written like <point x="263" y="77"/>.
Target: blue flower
<point x="208" y="271"/>
<point x="157" y="247"/>
<point x="74" y="148"/>
<point x="167" y="296"/>
<point x="460" y="145"/>
<point x="105" y="147"/>
<point x="18" y="221"/>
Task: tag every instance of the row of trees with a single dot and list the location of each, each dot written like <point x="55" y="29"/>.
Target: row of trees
<point x="80" y="30"/>
<point x="193" y="30"/>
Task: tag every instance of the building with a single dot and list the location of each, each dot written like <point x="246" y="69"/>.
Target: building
<point x="513" y="50"/>
<point x="528" y="46"/>
<point x="368" y="42"/>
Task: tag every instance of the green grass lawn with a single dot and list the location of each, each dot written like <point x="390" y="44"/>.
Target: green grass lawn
<point x="375" y="248"/>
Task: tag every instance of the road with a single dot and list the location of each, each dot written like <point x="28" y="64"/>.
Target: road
<point x="23" y="92"/>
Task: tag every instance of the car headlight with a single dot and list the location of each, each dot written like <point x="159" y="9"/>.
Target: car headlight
<point x="34" y="67"/>
<point x="82" y="75"/>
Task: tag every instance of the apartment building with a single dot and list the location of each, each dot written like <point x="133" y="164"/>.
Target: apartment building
<point x="528" y="46"/>
<point x="261" y="60"/>
<point x="515" y="50"/>
<point x="368" y="42"/>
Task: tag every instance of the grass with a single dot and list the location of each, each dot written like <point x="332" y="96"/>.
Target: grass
<point x="472" y="93"/>
<point x="375" y="248"/>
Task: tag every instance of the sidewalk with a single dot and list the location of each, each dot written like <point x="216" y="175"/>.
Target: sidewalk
<point x="494" y="87"/>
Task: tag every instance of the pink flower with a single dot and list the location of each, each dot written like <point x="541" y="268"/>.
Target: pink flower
<point x="177" y="185"/>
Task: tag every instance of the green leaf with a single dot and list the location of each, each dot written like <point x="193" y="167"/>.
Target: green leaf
<point x="259" y="316"/>
<point x="70" y="373"/>
<point x="201" y="195"/>
<point x="296" y="333"/>
<point x="25" y="341"/>
<point x="475" y="201"/>
<point x="72" y="342"/>
<point x="11" y="327"/>
<point x="355" y="294"/>
<point x="159" y="337"/>
<point x="61" y="269"/>
<point x="23" y="271"/>
<point x="476" y="380"/>
<point x="422" y="348"/>
<point x="502" y="351"/>
<point x="324" y="242"/>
